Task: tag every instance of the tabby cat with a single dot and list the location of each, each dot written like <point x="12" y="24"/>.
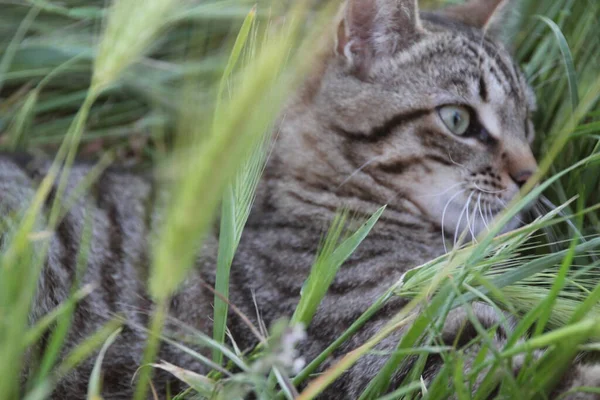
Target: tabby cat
<point x="425" y="112"/>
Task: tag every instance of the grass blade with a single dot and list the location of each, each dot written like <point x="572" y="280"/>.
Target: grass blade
<point x="235" y="207"/>
<point x="95" y="385"/>
<point x="327" y="264"/>
<point x="567" y="59"/>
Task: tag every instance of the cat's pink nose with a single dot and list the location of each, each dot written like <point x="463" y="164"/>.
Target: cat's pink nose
<point x="519" y="162"/>
<point x="522" y="177"/>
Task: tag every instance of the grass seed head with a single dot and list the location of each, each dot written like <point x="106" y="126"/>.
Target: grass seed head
<point x="130" y="29"/>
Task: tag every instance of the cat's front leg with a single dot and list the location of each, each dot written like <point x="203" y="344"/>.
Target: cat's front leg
<point x="581" y="382"/>
<point x="460" y="331"/>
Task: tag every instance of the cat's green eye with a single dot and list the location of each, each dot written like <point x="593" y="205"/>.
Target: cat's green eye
<point x="456" y="118"/>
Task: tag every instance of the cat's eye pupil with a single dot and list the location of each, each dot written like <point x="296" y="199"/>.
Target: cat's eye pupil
<point x="457" y="118"/>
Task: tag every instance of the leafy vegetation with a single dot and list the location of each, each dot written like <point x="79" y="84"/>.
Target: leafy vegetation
<point x="190" y="85"/>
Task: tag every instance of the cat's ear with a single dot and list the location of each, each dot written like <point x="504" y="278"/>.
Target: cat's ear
<point x="372" y="28"/>
<point x="492" y="16"/>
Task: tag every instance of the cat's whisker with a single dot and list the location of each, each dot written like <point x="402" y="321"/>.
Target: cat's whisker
<point x="444" y="215"/>
<point x="481" y="212"/>
<point x="545" y="201"/>
<point x="468" y="213"/>
<point x="474" y="225"/>
<point x="458" y="164"/>
<point x="489" y="191"/>
<point x="537" y="208"/>
<point x="471" y="222"/>
<point x="460" y="219"/>
<point x="550" y="230"/>
<point x="505" y="206"/>
<point x="475" y="220"/>
<point x="393" y="197"/>
<point x="353" y="174"/>
<point x="489" y="212"/>
<point x="535" y="213"/>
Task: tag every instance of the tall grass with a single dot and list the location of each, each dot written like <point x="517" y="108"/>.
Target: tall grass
<point x="191" y="86"/>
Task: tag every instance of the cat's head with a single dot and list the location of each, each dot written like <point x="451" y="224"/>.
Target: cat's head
<point x="427" y="113"/>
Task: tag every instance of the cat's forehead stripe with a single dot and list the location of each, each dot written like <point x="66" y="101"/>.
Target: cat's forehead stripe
<point x="503" y="63"/>
<point x="475" y="56"/>
<point x="451" y="35"/>
<point x="489" y="59"/>
<point x="483" y="90"/>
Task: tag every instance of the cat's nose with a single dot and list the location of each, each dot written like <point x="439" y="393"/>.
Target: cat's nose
<point x="519" y="162"/>
<point x="522" y="177"/>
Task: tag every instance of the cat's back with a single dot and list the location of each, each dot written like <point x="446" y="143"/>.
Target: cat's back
<point x="99" y="241"/>
<point x="16" y="185"/>
<point x="21" y="175"/>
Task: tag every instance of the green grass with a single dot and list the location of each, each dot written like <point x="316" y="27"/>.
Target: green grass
<point x="186" y="83"/>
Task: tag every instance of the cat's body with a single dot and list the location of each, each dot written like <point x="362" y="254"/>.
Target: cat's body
<point x="379" y="123"/>
<point x="272" y="262"/>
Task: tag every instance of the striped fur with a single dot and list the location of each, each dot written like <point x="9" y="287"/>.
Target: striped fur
<point x="362" y="132"/>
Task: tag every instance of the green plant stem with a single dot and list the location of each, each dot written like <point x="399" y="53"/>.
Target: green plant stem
<point x="152" y="345"/>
